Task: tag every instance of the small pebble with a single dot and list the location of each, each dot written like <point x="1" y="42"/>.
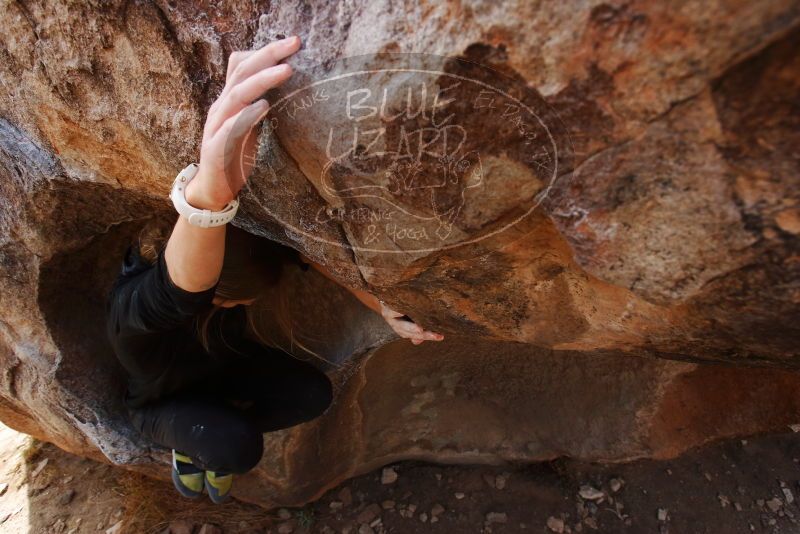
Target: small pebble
<point x="590" y="493"/>
<point x="388" y="475"/>
<point x="41" y="465"/>
<point x="496" y="517"/>
<point x="66" y="497"/>
<point x="345" y="496"/>
<point x="369" y="513"/>
<point x="662" y="514"/>
<point x="500" y="481"/>
<point x="774" y="504"/>
<point x="555" y="524"/>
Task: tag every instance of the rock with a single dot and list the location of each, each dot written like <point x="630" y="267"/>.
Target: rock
<point x="336" y="505"/>
<point x="459" y="495"/>
<point x="496" y="517"/>
<point x="774" y="504"/>
<point x="555" y="524"/>
<point x="115" y="529"/>
<point x="437" y="509"/>
<point x="662" y="514"/>
<point x="66" y="497"/>
<point x="365" y="529"/>
<point x="286" y="527"/>
<point x="283" y="513"/>
<point x="615" y="484"/>
<point x="388" y="505"/>
<point x="789" y="221"/>
<point x="500" y="481"/>
<point x="787" y="495"/>
<point x="590" y="493"/>
<point x="208" y="528"/>
<point x="368" y="514"/>
<point x="388" y="475"/>
<point x="637" y="244"/>
<point x="423" y="517"/>
<point x="723" y="500"/>
<point x="39" y="467"/>
<point x="345" y="496"/>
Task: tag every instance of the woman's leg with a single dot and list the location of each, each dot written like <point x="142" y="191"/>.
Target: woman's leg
<point x="217" y="437"/>
<point x="279" y="390"/>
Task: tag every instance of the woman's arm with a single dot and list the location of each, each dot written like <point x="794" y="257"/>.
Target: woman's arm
<point x="402" y="326"/>
<point x="194" y="255"/>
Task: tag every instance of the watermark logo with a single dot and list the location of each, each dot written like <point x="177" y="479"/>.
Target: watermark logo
<point x="417" y="153"/>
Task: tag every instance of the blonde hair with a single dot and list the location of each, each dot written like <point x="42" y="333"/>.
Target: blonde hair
<point x="252" y="267"/>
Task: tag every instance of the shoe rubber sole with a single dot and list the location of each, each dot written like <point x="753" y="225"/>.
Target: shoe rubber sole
<point x="182" y="489"/>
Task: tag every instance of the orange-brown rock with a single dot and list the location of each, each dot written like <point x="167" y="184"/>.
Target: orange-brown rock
<point x="600" y="212"/>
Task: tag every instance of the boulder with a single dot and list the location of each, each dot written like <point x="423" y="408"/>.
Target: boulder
<point x="597" y="204"/>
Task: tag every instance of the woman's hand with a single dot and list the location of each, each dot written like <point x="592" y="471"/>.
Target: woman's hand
<point x="227" y="153"/>
<point x="402" y="326"/>
<point x="406" y="328"/>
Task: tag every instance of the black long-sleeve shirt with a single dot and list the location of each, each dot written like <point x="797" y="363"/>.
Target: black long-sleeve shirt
<point x="153" y="328"/>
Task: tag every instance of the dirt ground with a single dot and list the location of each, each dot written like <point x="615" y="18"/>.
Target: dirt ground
<point x="731" y="487"/>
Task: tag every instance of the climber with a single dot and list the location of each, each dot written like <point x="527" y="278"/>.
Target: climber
<point x="201" y="380"/>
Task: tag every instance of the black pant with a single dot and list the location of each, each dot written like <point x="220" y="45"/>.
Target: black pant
<point x="219" y="423"/>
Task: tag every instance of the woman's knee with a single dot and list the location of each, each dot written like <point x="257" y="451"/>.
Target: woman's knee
<point x="235" y="448"/>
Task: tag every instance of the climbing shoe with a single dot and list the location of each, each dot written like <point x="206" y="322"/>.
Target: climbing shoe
<point x="188" y="479"/>
<point x="219" y="486"/>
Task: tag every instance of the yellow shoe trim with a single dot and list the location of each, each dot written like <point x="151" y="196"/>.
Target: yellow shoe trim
<point x="181" y="457"/>
<point x="194" y="481"/>
<point x="222" y="484"/>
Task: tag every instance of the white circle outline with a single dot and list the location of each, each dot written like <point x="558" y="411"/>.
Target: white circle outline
<point x="542" y="194"/>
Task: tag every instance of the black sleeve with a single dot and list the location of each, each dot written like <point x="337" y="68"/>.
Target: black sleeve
<point x="149" y="303"/>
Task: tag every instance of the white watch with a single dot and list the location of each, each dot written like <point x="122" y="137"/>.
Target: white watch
<point x="195" y="216"/>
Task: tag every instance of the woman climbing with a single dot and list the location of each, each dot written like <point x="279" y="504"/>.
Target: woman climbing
<point x="200" y="381"/>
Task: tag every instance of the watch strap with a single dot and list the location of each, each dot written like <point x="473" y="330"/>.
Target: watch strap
<point x="195" y="216"/>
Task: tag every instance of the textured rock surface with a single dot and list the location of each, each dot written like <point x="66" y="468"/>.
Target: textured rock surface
<point x="649" y="303"/>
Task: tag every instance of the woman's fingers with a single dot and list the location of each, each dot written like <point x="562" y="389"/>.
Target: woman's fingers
<point x="259" y="60"/>
<point x="235" y="128"/>
<point x="244" y="93"/>
<point x="414" y="332"/>
<point x="406" y="328"/>
<point x="235" y="59"/>
<point x="228" y="142"/>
